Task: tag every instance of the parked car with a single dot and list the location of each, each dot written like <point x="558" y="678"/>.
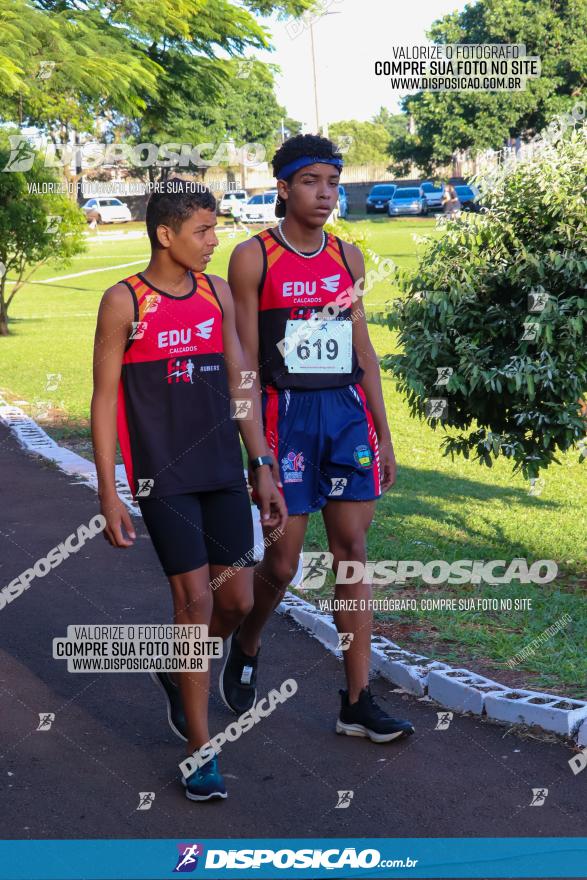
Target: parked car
<point x="341" y="209"/>
<point x="225" y="205"/>
<point x="378" y="198"/>
<point x="433" y="195"/>
<point x="343" y="203"/>
<point x="407" y="200"/>
<point x="260" y="208"/>
<point x="107" y="210"/>
<point x="468" y="198"/>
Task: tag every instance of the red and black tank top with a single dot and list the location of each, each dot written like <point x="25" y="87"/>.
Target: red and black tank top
<point x="175" y="430"/>
<point x="294" y="289"/>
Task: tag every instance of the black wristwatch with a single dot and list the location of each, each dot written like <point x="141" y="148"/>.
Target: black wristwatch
<point x="259" y="461"/>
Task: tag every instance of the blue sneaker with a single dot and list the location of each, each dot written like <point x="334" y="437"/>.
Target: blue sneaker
<point x="175" y="715"/>
<point x="206" y="782"/>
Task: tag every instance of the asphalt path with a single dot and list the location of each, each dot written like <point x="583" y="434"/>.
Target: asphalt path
<point x="110" y="739"/>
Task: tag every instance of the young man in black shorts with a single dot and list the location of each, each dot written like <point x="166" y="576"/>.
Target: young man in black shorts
<point x="304" y="332"/>
<point x="167" y="365"/>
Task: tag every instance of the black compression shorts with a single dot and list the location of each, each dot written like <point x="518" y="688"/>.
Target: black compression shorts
<point x="196" y="528"/>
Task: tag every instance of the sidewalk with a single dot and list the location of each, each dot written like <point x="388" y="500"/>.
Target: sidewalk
<point x="110" y="739"/>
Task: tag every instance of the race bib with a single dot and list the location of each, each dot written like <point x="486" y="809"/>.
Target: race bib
<point x="324" y="346"/>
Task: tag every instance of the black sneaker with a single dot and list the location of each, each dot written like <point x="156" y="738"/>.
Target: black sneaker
<point x="238" y="679"/>
<point x="175" y="714"/>
<point x="366" y="718"/>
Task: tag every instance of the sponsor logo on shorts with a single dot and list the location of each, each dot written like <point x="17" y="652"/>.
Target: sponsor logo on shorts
<point x="293" y="467"/>
<point x="363" y="456"/>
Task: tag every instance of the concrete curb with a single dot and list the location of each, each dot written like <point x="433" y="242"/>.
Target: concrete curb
<point x="461" y="690"/>
<point x="457" y="689"/>
<point x="557" y="714"/>
<point x="35" y="440"/>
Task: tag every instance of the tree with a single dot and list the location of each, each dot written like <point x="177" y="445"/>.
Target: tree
<point x="516" y="369"/>
<point x="34" y="226"/>
<point x="368" y="141"/>
<point x="446" y="121"/>
<point x="291" y="126"/>
<point x="61" y="65"/>
<point x="246" y="111"/>
<point x="394" y="123"/>
<point x="142" y="66"/>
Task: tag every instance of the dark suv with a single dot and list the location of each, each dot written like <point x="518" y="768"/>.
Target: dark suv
<point x="379" y="197"/>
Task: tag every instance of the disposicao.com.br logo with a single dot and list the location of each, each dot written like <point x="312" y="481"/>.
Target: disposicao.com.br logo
<point x="329" y="859"/>
<point x="187" y="859"/>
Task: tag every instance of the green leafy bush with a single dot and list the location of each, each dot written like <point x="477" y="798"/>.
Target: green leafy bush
<point x="349" y="232"/>
<point x="466" y="305"/>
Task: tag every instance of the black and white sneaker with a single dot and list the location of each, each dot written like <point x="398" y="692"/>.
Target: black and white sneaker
<point x="175" y="714"/>
<point x="366" y="718"/>
<point x="238" y="679"/>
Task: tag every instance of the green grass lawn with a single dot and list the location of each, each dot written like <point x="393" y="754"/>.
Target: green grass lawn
<point x="438" y="509"/>
<point x="392" y="239"/>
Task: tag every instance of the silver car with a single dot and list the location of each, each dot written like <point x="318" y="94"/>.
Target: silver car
<point x="260" y="208"/>
<point x="433" y="195"/>
<point x="407" y="200"/>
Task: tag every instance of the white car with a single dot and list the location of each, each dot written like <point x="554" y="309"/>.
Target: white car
<point x="238" y="195"/>
<point x="260" y="208"/>
<point x="107" y="210"/>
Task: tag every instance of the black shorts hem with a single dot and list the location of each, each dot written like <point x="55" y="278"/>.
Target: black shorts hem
<point x="193" y="529"/>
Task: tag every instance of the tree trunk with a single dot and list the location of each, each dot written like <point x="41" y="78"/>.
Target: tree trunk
<point x="3" y="311"/>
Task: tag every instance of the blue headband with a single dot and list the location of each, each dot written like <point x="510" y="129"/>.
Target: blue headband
<point x="294" y="166"/>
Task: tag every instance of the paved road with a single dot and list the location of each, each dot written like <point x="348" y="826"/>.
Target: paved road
<point x="110" y="739"/>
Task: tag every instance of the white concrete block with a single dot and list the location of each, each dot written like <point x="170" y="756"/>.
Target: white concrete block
<point x="404" y="668"/>
<point x="559" y="714"/>
<point x="461" y="689"/>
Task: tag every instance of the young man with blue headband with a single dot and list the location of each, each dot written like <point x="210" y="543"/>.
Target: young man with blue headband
<point x="304" y="333"/>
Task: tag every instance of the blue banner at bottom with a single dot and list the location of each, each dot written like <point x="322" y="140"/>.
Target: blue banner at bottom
<point x="276" y="858"/>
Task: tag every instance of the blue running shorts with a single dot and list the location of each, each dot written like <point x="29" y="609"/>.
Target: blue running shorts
<point x="325" y="443"/>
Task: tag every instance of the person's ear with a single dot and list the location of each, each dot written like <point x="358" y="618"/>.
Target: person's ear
<point x="282" y="191"/>
<point x="164" y="235"/>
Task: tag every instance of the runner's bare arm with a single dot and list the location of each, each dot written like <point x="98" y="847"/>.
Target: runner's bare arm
<point x="115" y="317"/>
<point x="245" y="271"/>
<point x="273" y="510"/>
<point x="244" y="276"/>
<point x="371" y="381"/>
<point x="250" y="428"/>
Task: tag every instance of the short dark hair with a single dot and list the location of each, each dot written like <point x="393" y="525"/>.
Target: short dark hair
<point x="172" y="202"/>
<point x="296" y="147"/>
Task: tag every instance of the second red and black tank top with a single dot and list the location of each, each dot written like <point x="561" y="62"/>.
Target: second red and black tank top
<point x="293" y="289"/>
<point x="174" y="422"/>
